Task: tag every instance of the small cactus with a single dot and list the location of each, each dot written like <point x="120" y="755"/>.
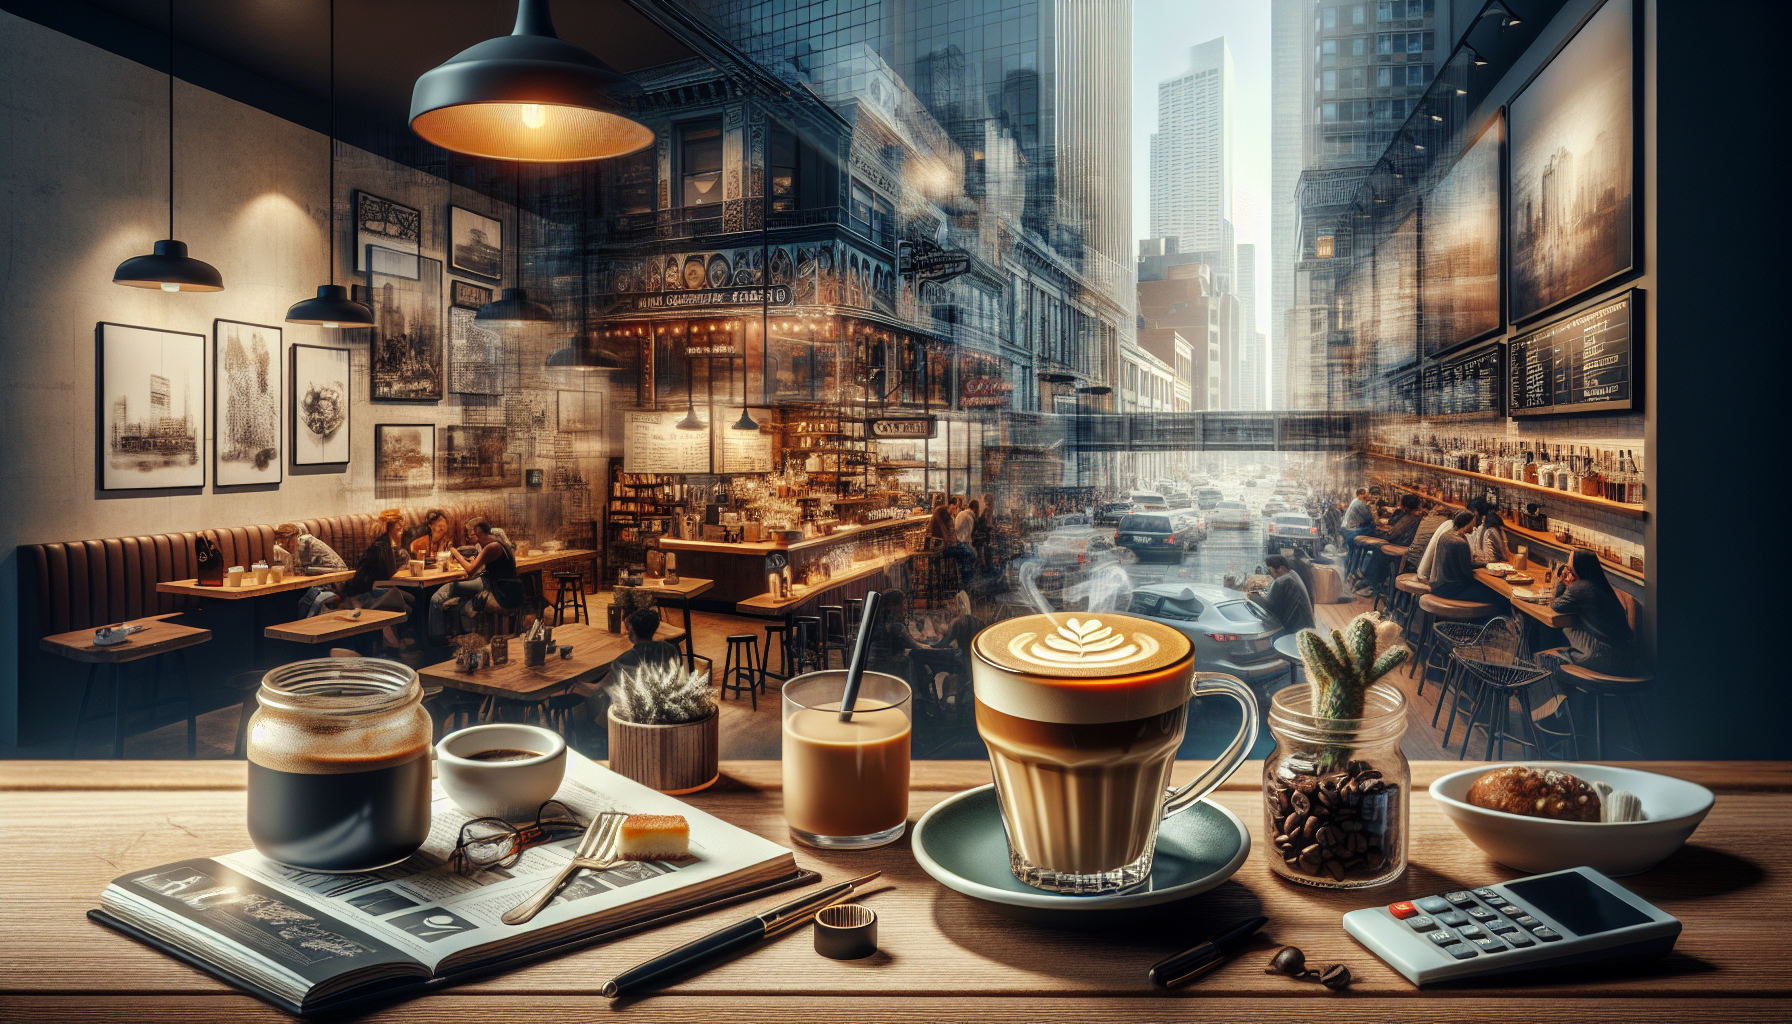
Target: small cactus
<point x="1343" y="669"/>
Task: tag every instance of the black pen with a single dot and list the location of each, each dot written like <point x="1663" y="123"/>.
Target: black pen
<point x="646" y="975"/>
<point x="1192" y="963"/>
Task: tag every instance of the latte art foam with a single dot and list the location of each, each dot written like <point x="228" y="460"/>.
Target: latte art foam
<point x="1082" y="668"/>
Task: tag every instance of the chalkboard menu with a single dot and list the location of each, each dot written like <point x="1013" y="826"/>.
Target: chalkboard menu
<point x="1466" y="384"/>
<point x="1583" y="363"/>
<point x="651" y="443"/>
<point x="1403" y="395"/>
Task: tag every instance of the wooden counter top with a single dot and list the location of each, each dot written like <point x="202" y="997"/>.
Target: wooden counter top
<point x="942" y="957"/>
<point x="767" y="604"/>
<point x="843" y="534"/>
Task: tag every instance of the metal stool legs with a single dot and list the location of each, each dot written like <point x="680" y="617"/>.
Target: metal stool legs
<point x="740" y="668"/>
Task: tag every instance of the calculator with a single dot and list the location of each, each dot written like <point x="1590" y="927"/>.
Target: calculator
<point x="1564" y="917"/>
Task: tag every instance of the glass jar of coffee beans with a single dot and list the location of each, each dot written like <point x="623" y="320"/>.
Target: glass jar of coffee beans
<point x="1335" y="791"/>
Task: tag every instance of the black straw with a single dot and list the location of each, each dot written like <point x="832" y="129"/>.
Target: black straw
<point x="855" y="672"/>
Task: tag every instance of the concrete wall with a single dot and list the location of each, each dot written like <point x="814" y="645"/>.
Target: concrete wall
<point x="83" y="186"/>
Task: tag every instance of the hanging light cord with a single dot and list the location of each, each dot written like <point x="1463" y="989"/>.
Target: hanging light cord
<point x="330" y="200"/>
<point x="170" y="118"/>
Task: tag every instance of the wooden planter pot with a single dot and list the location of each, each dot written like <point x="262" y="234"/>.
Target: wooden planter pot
<point x="674" y="759"/>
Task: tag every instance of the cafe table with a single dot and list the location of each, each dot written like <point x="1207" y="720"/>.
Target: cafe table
<point x="421" y="583"/>
<point x="593" y="649"/>
<point x="72" y="827"/>
<point x="679" y="595"/>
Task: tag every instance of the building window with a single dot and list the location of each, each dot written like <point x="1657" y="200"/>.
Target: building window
<point x="1331" y="17"/>
<point x="1356" y="15"/>
<point x="1359" y="46"/>
<point x="1331" y="83"/>
<point x="883" y="222"/>
<point x="1384" y="78"/>
<point x="1330" y="49"/>
<point x="1384" y="11"/>
<point x="1359" y="78"/>
<point x="782" y="159"/>
<point x="1384" y="43"/>
<point x="1331" y="110"/>
<point x="861" y="209"/>
<point x="700" y="162"/>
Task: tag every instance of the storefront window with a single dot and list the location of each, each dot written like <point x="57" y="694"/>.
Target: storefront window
<point x="700" y="163"/>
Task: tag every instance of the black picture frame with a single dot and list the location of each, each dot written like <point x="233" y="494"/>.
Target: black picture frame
<point x="1434" y="403"/>
<point x="1540" y="283"/>
<point x="466" y="295"/>
<point x="1518" y="356"/>
<point x="470" y="249"/>
<point x="385" y="437"/>
<point x="1441" y="332"/>
<point x="388" y="224"/>
<point x="312" y="412"/>
<point x="124" y="448"/>
<point x="408" y="343"/>
<point x="232" y="438"/>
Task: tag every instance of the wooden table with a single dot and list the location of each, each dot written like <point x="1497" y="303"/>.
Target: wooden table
<point x="332" y="626"/>
<point x="1541" y="612"/>
<point x="942" y="957"/>
<point x="593" y="649"/>
<point x="191" y="588"/>
<point x="159" y="637"/>
<point x="534" y="562"/>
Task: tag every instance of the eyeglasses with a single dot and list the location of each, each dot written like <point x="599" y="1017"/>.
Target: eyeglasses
<point x="495" y="843"/>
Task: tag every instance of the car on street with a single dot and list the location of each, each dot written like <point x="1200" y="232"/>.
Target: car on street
<point x="1230" y="633"/>
<point x="1178" y="501"/>
<point x="1194" y="522"/>
<point x="1148" y="500"/>
<point x="1230" y="515"/>
<point x="1157" y="535"/>
<point x="1109" y="512"/>
<point x="1065" y="556"/>
<point x="1208" y="497"/>
<point x="1273" y="506"/>
<point x="1291" y="530"/>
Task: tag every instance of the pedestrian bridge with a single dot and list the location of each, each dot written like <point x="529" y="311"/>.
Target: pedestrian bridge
<point x="1182" y="431"/>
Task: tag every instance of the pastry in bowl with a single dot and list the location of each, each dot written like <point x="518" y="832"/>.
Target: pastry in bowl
<point x="1536" y="793"/>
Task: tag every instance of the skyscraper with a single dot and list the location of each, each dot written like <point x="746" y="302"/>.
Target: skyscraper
<point x="1191" y="158"/>
<point x="1251" y="357"/>
<point x="1288" y="97"/>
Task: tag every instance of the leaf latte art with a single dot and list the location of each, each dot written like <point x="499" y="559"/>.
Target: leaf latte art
<point x="1086" y="642"/>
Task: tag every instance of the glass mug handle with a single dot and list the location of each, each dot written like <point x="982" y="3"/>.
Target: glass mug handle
<point x="1214" y="684"/>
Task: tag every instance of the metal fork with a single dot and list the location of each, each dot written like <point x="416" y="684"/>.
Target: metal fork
<point x="597" y="850"/>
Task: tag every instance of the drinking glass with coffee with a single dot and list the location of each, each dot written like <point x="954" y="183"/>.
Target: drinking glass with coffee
<point x="1082" y="716"/>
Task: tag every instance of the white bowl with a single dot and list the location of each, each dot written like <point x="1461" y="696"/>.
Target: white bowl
<point x="512" y="790"/>
<point x="1674" y="808"/>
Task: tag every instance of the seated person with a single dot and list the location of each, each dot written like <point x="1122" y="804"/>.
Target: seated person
<point x="1358" y="521"/>
<point x="434" y="537"/>
<point x="305" y="555"/>
<point x="1288" y="599"/>
<point x="890" y="637"/>
<point x="640" y="628"/>
<point x="381" y="561"/>
<point x="1437" y="534"/>
<point x="950" y="654"/>
<point x="1489" y="539"/>
<point x="491" y="578"/>
<point x="1453" y="573"/>
<point x="1601" y="638"/>
<point x="1399" y="531"/>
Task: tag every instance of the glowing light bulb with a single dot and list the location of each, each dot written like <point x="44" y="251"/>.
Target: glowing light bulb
<point x="170" y="286"/>
<point x="533" y="116"/>
<point x="331" y="325"/>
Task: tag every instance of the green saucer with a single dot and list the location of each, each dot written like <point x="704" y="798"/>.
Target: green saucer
<point x="962" y="844"/>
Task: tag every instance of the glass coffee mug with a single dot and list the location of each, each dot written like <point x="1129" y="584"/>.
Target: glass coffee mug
<point x="1082" y="715"/>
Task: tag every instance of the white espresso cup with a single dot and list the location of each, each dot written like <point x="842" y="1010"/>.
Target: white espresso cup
<point x="513" y="788"/>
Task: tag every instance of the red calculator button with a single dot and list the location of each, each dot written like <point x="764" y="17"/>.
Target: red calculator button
<point x="1403" y="909"/>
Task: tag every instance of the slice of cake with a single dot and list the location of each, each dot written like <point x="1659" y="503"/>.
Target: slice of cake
<point x="655" y="837"/>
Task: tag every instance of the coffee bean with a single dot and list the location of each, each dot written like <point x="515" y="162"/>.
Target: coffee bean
<point x="1356" y="767"/>
<point x="1328" y="800"/>
<point x="1284" y="841"/>
<point x="1291" y="823"/>
<point x="1288" y="960"/>
<point x="1373" y="786"/>
<point x="1350" y="824"/>
<point x="1373" y="860"/>
<point x="1301" y="803"/>
<point x="1306" y="784"/>
<point x="1282" y="803"/>
<point x="1310" y="828"/>
<point x="1335" y="977"/>
<point x="1335" y="869"/>
<point x="1359" y="843"/>
<point x="1328" y="836"/>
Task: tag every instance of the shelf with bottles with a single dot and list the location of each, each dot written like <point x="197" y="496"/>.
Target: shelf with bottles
<point x="1622" y="508"/>
<point x="1622" y="557"/>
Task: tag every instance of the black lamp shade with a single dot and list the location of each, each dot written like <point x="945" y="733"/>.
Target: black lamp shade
<point x="170" y="269"/>
<point x="527" y="96"/>
<point x="579" y="354"/>
<point x="746" y="422"/>
<point x="690" y="421"/>
<point x="515" y="307"/>
<point x="331" y="308"/>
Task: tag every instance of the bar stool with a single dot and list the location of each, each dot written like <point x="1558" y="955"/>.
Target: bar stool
<point x="855" y="614"/>
<point x="833" y="634"/>
<point x="1360" y="552"/>
<point x="742" y="663"/>
<point x="1406" y="610"/>
<point x="1600" y="687"/>
<point x="1495" y="643"/>
<point x="780" y="630"/>
<point x="569" y="592"/>
<point x="1496" y="687"/>
<point x="1437" y="611"/>
<point x="1384" y="594"/>
<point x="806" y="633"/>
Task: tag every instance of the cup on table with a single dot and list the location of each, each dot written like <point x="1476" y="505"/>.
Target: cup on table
<point x="416" y="567"/>
<point x="233" y="576"/>
<point x="261" y="570"/>
<point x="501" y="771"/>
<point x="846" y="783"/>
<point x="276" y="573"/>
<point x="1082" y="715"/>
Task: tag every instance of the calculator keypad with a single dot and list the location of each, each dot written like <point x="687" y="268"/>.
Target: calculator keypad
<point x="1421" y="923"/>
<point x="1465" y="924"/>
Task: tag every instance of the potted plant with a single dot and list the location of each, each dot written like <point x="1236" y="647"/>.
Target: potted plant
<point x="663" y="728"/>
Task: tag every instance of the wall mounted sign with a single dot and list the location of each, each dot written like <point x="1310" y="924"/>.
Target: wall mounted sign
<point x="978" y="391"/>
<point x="651" y="443"/>
<point x="1464" y="385"/>
<point x="922" y="260"/>
<point x="775" y="295"/>
<point x="907" y="428"/>
<point x="1584" y="362"/>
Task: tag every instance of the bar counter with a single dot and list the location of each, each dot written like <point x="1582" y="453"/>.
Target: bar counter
<point x="740" y="569"/>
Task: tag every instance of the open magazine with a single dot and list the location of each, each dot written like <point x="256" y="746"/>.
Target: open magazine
<point x="309" y="941"/>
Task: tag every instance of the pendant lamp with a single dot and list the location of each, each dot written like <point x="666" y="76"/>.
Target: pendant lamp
<point x="513" y="307"/>
<point x="580" y="354"/>
<point x="746" y="421"/>
<point x="331" y="307"/>
<point x="690" y="421"/>
<point x="169" y="267"/>
<point x="527" y="96"/>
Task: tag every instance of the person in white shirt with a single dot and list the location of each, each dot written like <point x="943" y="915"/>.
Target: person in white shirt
<point x="965" y="523"/>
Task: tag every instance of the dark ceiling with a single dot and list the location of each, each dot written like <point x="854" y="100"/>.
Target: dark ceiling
<point x="274" y="54"/>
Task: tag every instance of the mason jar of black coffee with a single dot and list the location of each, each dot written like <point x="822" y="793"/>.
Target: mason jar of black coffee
<point x="339" y="764"/>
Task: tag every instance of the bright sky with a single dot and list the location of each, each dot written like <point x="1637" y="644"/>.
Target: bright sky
<point x="1163" y="33"/>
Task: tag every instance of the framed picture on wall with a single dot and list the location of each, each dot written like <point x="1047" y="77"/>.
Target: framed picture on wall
<point x="404" y="355"/>
<point x="320" y="406"/>
<point x="391" y="226"/>
<point x="151" y="408"/>
<point x="475" y="243"/>
<point x="246" y="382"/>
<point x="1572" y="217"/>
<point x="475" y="355"/>
<point x="463" y="295"/>
<point x="475" y="458"/>
<point x="1459" y="280"/>
<point x="404" y="457"/>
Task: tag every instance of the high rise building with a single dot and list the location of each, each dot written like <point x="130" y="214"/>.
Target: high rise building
<point x="1191" y="157"/>
<point x="1290" y="68"/>
<point x="1251" y="359"/>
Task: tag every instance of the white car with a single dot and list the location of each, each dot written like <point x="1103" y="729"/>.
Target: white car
<point x="1230" y="515"/>
<point x="1291" y="530"/>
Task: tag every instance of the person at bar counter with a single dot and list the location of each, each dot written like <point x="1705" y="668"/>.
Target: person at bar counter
<point x="1359" y="521"/>
<point x="434" y="537"/>
<point x="1287" y="599"/>
<point x="1430" y="557"/>
<point x="1489" y="539"/>
<point x="1600" y="638"/>
<point x="1399" y="532"/>
<point x="491" y="575"/>
<point x="1453" y="573"/>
